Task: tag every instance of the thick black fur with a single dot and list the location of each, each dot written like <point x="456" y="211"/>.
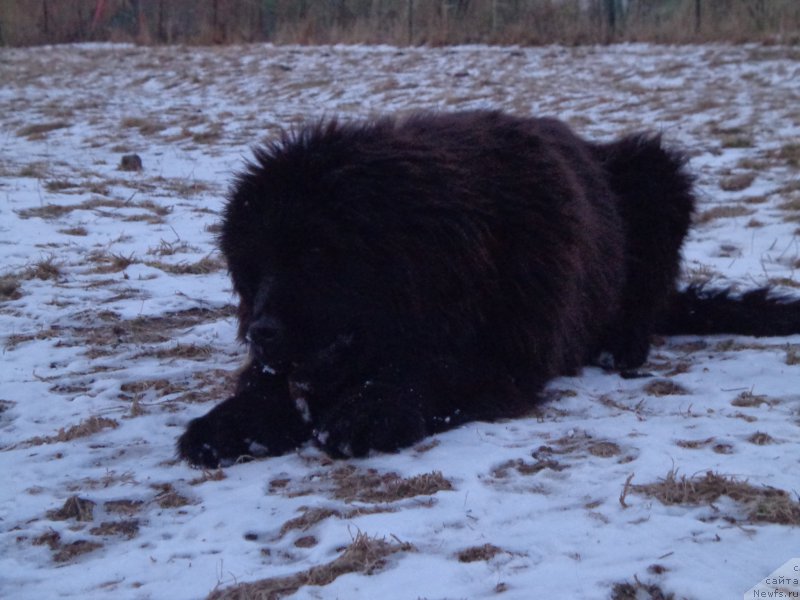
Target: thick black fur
<point x="399" y="277"/>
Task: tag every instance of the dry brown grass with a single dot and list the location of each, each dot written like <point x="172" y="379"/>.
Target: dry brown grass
<point x="639" y="591"/>
<point x="761" y="504"/>
<point x="792" y="356"/>
<point x="101" y="332"/>
<point x="44" y="269"/>
<point x="790" y="153"/>
<point x="351" y="484"/>
<point x="146" y="125"/>
<point x="187" y="351"/>
<point x="478" y="553"/>
<point x="664" y="387"/>
<point x="737" y="141"/>
<point x="525" y="468"/>
<point x="722" y="212"/>
<point x="737" y="183"/>
<point x="85" y="428"/>
<point x="10" y="288"/>
<point x="154" y="212"/>
<point x="366" y="555"/>
<point x="751" y="400"/>
<point x="59" y="185"/>
<point x="39" y="130"/>
<point x="168" y="496"/>
<point x="76" y="231"/>
<point x="35" y="170"/>
<point x="207" y="264"/>
<point x="126" y="528"/>
<point x="165" y="248"/>
<point x="123" y="507"/>
<point x="110" y="262"/>
<point x="67" y="552"/>
<point x="695" y="444"/>
<point x="759" y="438"/>
<point x="64" y="552"/>
<point x="310" y="516"/>
<point x="80" y="509"/>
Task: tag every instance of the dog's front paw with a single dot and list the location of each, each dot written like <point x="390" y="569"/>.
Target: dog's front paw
<point x="209" y="443"/>
<point x="242" y="428"/>
<point x="377" y="417"/>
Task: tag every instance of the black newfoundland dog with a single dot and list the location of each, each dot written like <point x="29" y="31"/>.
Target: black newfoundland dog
<point x="398" y="278"/>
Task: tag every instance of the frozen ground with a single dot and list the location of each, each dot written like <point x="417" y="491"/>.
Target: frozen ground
<point x="117" y="328"/>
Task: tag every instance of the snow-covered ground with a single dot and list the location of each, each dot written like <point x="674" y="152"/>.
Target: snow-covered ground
<point x="117" y="327"/>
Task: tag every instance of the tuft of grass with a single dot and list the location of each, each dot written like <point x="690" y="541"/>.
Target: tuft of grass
<point x="69" y="551"/>
<point x="793" y="356"/>
<point x="207" y="264"/>
<point x="165" y="248"/>
<point x="762" y="504"/>
<point x="695" y="444"/>
<point x="123" y="507"/>
<point x="76" y="231"/>
<point x="126" y="528"/>
<point x="210" y="135"/>
<point x="722" y="211"/>
<point x="365" y="554"/>
<point x="187" y="351"/>
<point x="478" y="553"/>
<point x="156" y="209"/>
<point x="34" y="170"/>
<point x="604" y="449"/>
<point x="215" y="475"/>
<point x="45" y="269"/>
<point x="48" y="211"/>
<point x="168" y="496"/>
<point x="10" y="288"/>
<point x="759" y="438"/>
<point x="783" y="281"/>
<point x="85" y="428"/>
<point x="639" y="591"/>
<point x="737" y="183"/>
<point x="57" y="185"/>
<point x="664" y="387"/>
<point x="74" y="507"/>
<point x="792" y="205"/>
<point x="111" y="262"/>
<point x="760" y="199"/>
<point x="723" y="448"/>
<point x="352" y="484"/>
<point x="751" y="400"/>
<point x="306" y="541"/>
<point x="146" y="126"/>
<point x="526" y="468"/>
<point x="737" y="140"/>
<point x="791" y="154"/>
<point x="40" y="130"/>
<point x="309" y="518"/>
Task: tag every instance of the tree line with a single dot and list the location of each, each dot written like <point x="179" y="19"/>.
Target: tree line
<point x="398" y="22"/>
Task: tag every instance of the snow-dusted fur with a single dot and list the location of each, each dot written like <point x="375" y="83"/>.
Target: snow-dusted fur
<point x="400" y="277"/>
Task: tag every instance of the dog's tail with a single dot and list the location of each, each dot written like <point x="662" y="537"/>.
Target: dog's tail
<point x="759" y="312"/>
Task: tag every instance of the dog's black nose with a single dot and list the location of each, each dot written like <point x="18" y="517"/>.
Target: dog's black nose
<point x="264" y="331"/>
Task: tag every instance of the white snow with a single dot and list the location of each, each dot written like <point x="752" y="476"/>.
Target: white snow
<point x="151" y="346"/>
